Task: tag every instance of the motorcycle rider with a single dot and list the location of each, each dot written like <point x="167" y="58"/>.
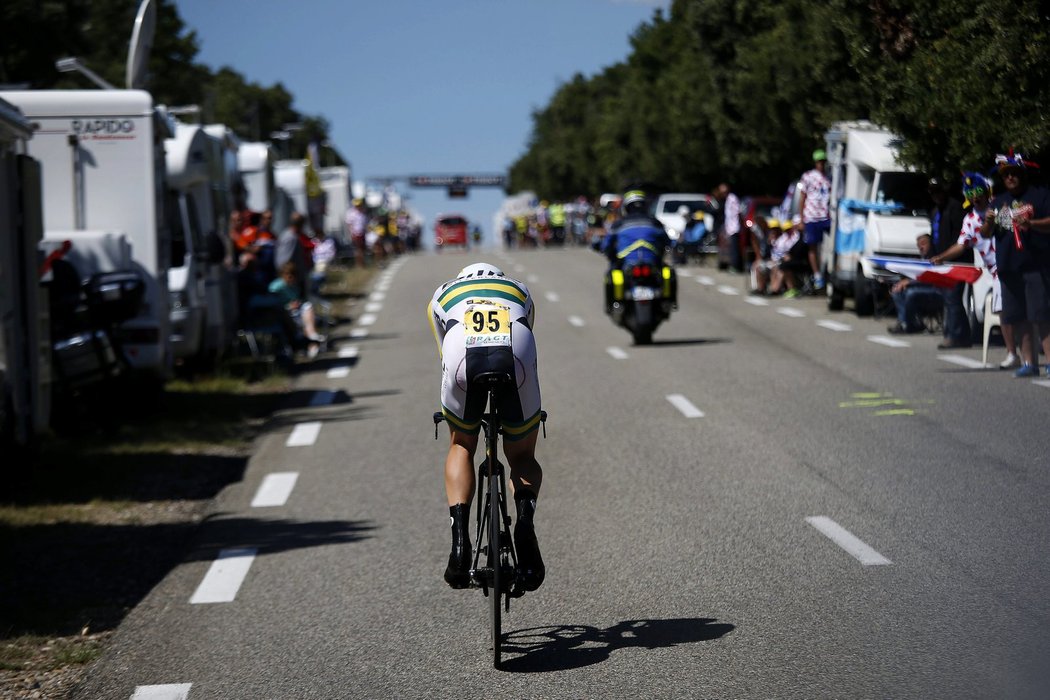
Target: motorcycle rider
<point x="636" y="238"/>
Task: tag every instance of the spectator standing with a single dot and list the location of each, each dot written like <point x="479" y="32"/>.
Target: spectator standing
<point x="816" y="215"/>
<point x="290" y="250"/>
<point x="1019" y="221"/>
<point x="945" y="225"/>
<point x="977" y="191"/>
<point x="356" y="228"/>
<point x="323" y="254"/>
<point x="731" y="224"/>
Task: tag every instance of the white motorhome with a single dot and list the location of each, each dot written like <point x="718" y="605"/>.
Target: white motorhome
<point x="878" y="208"/>
<point x="103" y="188"/>
<point x="255" y="161"/>
<point x="198" y="210"/>
<point x="335" y="181"/>
<point x="25" y="374"/>
<point x="290" y="176"/>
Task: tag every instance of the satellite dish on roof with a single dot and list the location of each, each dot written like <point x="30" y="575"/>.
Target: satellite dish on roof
<point x="141" y="43"/>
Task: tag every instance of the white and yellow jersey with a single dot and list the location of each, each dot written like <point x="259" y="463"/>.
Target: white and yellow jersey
<point x="453" y="300"/>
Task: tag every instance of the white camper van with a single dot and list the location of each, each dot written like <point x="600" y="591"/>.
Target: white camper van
<point x="103" y="188"/>
<point x="25" y="375"/>
<point x="255" y="163"/>
<point x="201" y="317"/>
<point x="290" y="176"/>
<point x="878" y="208"/>
<point x="335" y="181"/>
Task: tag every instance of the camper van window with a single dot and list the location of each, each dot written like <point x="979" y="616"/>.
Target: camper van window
<point x="907" y="189"/>
<point x="176" y="216"/>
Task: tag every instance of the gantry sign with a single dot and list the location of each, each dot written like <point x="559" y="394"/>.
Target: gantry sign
<point x="458" y="185"/>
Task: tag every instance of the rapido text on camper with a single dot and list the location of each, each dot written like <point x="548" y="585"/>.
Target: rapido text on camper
<point x="104" y="128"/>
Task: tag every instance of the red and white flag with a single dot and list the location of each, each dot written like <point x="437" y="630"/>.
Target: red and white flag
<point x="937" y="275"/>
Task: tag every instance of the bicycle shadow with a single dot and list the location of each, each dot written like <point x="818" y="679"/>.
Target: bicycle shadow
<point x="564" y="647"/>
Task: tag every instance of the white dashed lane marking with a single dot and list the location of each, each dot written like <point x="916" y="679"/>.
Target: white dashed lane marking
<point x="962" y="361"/>
<point x="532" y="279"/>
<point x="376" y="296"/>
<point x="348" y="352"/>
<point x="552" y="297"/>
<point x="373" y="307"/>
<point x="837" y="326"/>
<point x="225" y="576"/>
<point x="616" y="353"/>
<point x="275" y="489"/>
<point x="685" y="406"/>
<point x="171" y="691"/>
<point x="577" y="321"/>
<point x="888" y="341"/>
<point x="848" y="541"/>
<point x="366" y="320"/>
<point x="728" y="291"/>
<point x="1042" y="382"/>
<point x="791" y="311"/>
<point x="338" y="373"/>
<point x="757" y="301"/>
<point x="705" y="280"/>
<point x="359" y="333"/>
<point x="304" y="434"/>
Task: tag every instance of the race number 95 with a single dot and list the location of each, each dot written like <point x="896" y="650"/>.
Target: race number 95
<point x="486" y="321"/>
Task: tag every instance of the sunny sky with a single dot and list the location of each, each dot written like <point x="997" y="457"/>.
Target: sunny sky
<point x="420" y="86"/>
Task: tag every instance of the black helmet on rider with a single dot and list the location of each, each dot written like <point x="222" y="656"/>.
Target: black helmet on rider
<point x="634" y="202"/>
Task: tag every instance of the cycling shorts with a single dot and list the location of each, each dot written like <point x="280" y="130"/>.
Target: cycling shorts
<point x="463" y="403"/>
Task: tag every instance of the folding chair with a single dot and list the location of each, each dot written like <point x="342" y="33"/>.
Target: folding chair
<point x="991" y="320"/>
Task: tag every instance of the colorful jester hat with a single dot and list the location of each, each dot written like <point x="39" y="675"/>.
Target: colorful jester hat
<point x="974" y="185"/>
<point x="1010" y="159"/>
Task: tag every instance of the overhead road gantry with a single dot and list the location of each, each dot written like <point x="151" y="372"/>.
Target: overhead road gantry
<point x="458" y="186"/>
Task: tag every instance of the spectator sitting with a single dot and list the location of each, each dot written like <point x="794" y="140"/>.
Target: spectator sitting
<point x="788" y="256"/>
<point x="286" y="288"/>
<point x="763" y="267"/>
<point x="911" y="297"/>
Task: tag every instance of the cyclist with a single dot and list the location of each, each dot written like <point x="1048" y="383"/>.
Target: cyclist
<point x="484" y="289"/>
<point x="635" y="238"/>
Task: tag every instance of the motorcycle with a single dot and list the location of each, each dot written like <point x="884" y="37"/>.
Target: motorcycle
<point x="641" y="297"/>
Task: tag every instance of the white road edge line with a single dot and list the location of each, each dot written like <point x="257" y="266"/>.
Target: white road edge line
<point x="685" y="406"/>
<point x="225" y="576"/>
<point x="577" y="321"/>
<point x="1042" y="382"/>
<point x="275" y="490"/>
<point x="171" y="691"/>
<point x="304" y="434"/>
<point x="373" y="307"/>
<point x="359" y="333"/>
<point x="705" y="280"/>
<point x="616" y="353"/>
<point x="848" y="541"/>
<point x="889" y="342"/>
<point x="963" y="361"/>
<point x="376" y="296"/>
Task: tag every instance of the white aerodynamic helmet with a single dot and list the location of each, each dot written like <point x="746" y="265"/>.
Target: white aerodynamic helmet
<point x="480" y="270"/>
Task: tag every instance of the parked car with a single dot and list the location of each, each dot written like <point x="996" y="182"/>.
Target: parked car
<point x="675" y="210"/>
<point x="450" y="229"/>
<point x="754" y="211"/>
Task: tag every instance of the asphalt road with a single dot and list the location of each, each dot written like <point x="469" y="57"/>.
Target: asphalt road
<point x="845" y="519"/>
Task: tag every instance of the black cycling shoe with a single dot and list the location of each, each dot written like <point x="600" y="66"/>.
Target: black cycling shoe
<point x="457" y="573"/>
<point x="530" y="564"/>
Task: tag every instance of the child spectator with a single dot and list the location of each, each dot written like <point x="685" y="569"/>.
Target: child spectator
<point x="286" y="288"/>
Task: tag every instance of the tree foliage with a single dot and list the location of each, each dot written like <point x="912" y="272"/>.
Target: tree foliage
<point x="36" y="33"/>
<point x="742" y="91"/>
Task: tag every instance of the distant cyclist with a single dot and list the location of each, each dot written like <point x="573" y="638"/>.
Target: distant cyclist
<point x="483" y="288"/>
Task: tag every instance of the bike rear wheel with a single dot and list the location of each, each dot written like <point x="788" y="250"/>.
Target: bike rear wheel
<point x="495" y="561"/>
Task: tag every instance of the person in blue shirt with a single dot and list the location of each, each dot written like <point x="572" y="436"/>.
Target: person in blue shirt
<point x="637" y="238"/>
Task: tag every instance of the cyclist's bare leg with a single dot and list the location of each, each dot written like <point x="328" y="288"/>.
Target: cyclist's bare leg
<point x="525" y="471"/>
<point x="459" y="467"/>
<point x="525" y="478"/>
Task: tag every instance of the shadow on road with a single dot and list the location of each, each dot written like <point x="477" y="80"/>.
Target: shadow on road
<point x="564" y="647"/>
<point x="272" y="536"/>
<point x="691" y="341"/>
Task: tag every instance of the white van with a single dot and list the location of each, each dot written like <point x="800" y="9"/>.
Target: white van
<point x="255" y="161"/>
<point x="25" y="370"/>
<point x="335" y="181"/>
<point x="102" y="153"/>
<point x="878" y="208"/>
